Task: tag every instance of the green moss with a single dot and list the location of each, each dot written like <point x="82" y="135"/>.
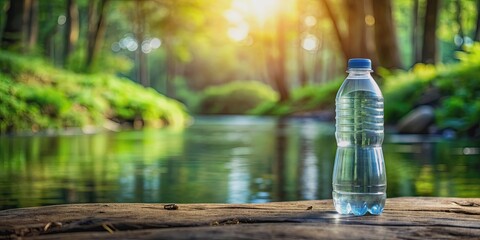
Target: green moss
<point x="235" y="98"/>
<point x="305" y="99"/>
<point x="36" y="95"/>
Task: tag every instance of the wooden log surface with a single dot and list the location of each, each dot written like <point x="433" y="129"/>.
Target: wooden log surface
<point x="403" y="218"/>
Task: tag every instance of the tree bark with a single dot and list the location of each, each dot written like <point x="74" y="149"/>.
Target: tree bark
<point x="50" y="30"/>
<point x="342" y="39"/>
<point x="92" y="22"/>
<point x="96" y="30"/>
<point x="280" y="75"/>
<point x="357" y="34"/>
<point x="32" y="25"/>
<point x="171" y="66"/>
<point x="355" y="42"/>
<point x="477" y="28"/>
<point x="171" y="63"/>
<point x="317" y="72"/>
<point x="71" y="29"/>
<point x="429" y="47"/>
<point x="458" y="18"/>
<point x="416" y="53"/>
<point x="139" y="30"/>
<point x="302" y="75"/>
<point x="13" y="34"/>
<point x="385" y="35"/>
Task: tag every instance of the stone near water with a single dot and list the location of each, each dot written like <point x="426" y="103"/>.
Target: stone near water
<point x="417" y="121"/>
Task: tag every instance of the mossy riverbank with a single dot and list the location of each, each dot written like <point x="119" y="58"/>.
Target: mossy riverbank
<point x="36" y="96"/>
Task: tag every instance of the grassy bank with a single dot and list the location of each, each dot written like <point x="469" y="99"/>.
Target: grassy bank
<point x="35" y="95"/>
<point x="310" y="98"/>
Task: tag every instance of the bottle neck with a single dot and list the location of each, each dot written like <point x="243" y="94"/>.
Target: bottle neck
<point x="359" y="72"/>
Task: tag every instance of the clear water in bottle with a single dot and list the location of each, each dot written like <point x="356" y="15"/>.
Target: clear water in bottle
<point x="359" y="178"/>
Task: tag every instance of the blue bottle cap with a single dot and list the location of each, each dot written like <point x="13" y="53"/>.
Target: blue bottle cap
<point x="364" y="63"/>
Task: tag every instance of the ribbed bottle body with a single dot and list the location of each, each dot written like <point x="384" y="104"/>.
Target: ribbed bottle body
<point x="359" y="178"/>
<point x="359" y="119"/>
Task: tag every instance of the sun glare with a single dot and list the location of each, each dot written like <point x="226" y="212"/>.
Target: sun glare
<point x="310" y="42"/>
<point x="239" y="29"/>
<point x="238" y="33"/>
<point x="242" y="12"/>
<point x="259" y="9"/>
<point x="264" y="9"/>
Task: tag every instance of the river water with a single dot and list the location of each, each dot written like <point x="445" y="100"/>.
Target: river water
<point x="234" y="159"/>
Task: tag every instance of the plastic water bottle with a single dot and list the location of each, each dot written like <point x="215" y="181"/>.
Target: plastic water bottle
<point x="359" y="177"/>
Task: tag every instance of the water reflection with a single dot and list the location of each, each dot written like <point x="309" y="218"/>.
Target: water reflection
<point x="238" y="180"/>
<point x="308" y="161"/>
<point x="229" y="159"/>
<point x="281" y="149"/>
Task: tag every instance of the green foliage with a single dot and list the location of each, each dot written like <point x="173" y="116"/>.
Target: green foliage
<point x="403" y="89"/>
<point x="132" y="102"/>
<point x="235" y="98"/>
<point x="105" y="63"/>
<point x="308" y="98"/>
<point x="13" y="109"/>
<point x="36" y="95"/>
<point x="459" y="86"/>
<point x="184" y="93"/>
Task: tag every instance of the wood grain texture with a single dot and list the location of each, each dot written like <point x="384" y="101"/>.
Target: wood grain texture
<point x="403" y="218"/>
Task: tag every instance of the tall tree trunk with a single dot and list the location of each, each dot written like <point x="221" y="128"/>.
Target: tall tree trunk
<point x="32" y="25"/>
<point x="280" y="76"/>
<point x="318" y="63"/>
<point x="50" y="30"/>
<point x="139" y="30"/>
<point x="429" y="47"/>
<point x="385" y="35"/>
<point x="353" y="43"/>
<point x="171" y="68"/>
<point x="171" y="64"/>
<point x="302" y="75"/>
<point x="342" y="39"/>
<point x="357" y="33"/>
<point x="477" y="28"/>
<point x="92" y="22"/>
<point x="71" y="29"/>
<point x="13" y="34"/>
<point x="96" y="30"/>
<point x="458" y="18"/>
<point x="369" y="25"/>
<point x="416" y="56"/>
